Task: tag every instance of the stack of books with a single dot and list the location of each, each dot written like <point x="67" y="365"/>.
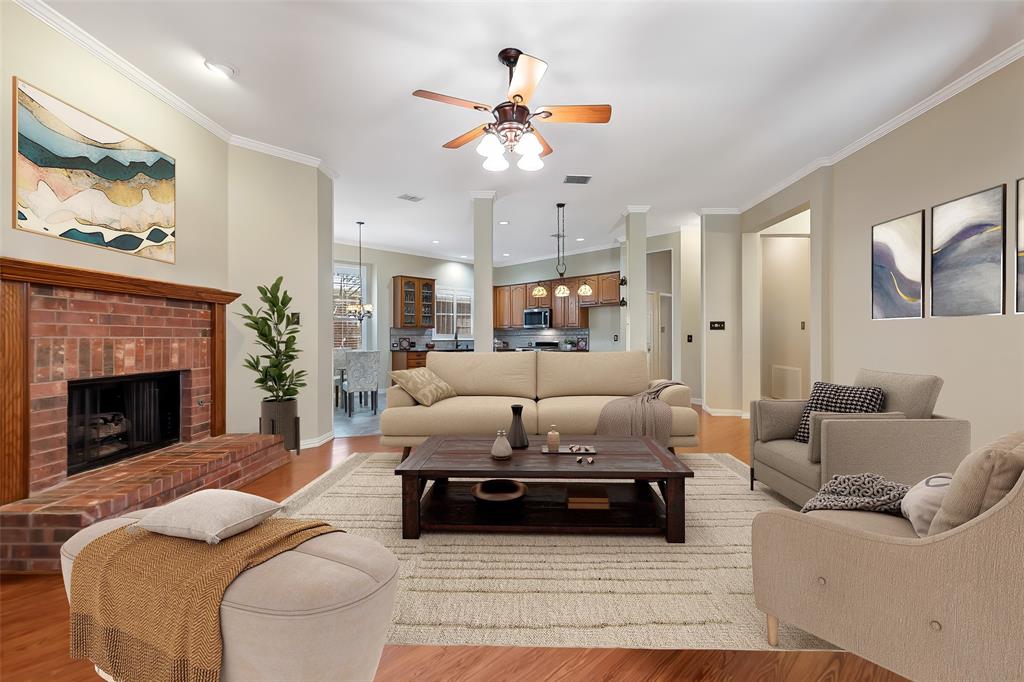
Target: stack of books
<point x="587" y="496"/>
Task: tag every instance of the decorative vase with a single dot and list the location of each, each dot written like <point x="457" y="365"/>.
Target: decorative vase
<point x="554" y="440"/>
<point x="279" y="416"/>
<point x="501" y="448"/>
<point x="516" y="431"/>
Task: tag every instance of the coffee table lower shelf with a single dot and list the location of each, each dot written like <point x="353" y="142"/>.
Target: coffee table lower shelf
<point x="634" y="509"/>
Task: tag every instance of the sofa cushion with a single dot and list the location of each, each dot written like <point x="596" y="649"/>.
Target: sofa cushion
<point x="423" y="385"/>
<point x="572" y="414"/>
<point x="790" y="458"/>
<point x="488" y="374"/>
<point x="461" y="415"/>
<point x="826" y="397"/>
<point x="872" y="522"/>
<point x="983" y="478"/>
<point x="914" y="395"/>
<point x="571" y="374"/>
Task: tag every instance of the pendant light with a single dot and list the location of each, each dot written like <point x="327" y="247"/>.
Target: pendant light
<point x="561" y="291"/>
<point x="539" y="291"/>
<point x="585" y="289"/>
<point x="361" y="311"/>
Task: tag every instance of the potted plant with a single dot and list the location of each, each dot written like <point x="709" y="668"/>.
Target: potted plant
<point x="276" y="331"/>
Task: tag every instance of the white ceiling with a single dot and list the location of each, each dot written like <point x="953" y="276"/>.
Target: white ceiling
<point x="713" y="103"/>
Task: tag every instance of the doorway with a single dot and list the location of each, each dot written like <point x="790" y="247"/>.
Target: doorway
<point x="785" y="308"/>
<point x="659" y="334"/>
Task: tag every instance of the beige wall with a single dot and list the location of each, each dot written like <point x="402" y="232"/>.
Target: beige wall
<point x="271" y="237"/>
<point x="722" y="279"/>
<point x="969" y="143"/>
<point x="785" y="303"/>
<point x="589" y="263"/>
<point x="691" y="310"/>
<point x="39" y="55"/>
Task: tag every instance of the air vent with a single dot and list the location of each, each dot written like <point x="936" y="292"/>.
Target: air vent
<point x="410" y="197"/>
<point x="577" y="179"/>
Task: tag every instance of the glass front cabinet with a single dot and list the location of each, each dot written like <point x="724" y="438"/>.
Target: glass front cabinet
<point x="414" y="299"/>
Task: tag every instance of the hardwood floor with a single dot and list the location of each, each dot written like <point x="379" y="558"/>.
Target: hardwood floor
<point x="34" y="623"/>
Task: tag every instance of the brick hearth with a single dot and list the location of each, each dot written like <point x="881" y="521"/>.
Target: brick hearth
<point x="32" y="530"/>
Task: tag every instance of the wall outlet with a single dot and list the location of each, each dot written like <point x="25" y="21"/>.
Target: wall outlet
<point x="294" y="318"/>
<point x="689" y="338"/>
<point x="803" y="325"/>
<point x="615" y="338"/>
<point x="717" y="325"/>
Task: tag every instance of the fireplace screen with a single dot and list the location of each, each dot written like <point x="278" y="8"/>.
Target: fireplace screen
<point x="113" y="418"/>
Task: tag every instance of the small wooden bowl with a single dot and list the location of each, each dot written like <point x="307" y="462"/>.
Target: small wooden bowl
<point x="499" y="490"/>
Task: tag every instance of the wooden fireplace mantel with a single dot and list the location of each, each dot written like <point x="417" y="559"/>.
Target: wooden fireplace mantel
<point x="16" y="276"/>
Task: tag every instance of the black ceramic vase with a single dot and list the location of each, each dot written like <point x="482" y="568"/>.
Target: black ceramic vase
<point x="516" y="431"/>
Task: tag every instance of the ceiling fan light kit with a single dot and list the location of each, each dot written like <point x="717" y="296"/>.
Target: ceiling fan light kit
<point x="512" y="129"/>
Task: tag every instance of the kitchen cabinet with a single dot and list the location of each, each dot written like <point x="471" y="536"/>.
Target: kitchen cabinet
<point x="502" y="307"/>
<point x="538" y="301"/>
<point x="414" y="302"/>
<point x="517" y="298"/>
<point x="566" y="312"/>
<point x="608" y="288"/>
<point x="594" y="296"/>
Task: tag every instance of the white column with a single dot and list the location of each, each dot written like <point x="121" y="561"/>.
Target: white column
<point x="483" y="271"/>
<point x="636" y="277"/>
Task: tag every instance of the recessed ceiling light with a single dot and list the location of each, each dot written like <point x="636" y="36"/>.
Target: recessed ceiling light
<point x="579" y="239"/>
<point x="504" y="255"/>
<point x="222" y="70"/>
<point x="503" y="222"/>
<point x="435" y="242"/>
<point x="463" y="256"/>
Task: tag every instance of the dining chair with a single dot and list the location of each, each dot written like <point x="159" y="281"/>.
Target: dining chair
<point x="340" y="362"/>
<point x="362" y="376"/>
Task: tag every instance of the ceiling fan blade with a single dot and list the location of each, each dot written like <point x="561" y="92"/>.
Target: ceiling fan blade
<point x="543" y="143"/>
<point x="445" y="99"/>
<point x="465" y="137"/>
<point x="575" y="113"/>
<point x="526" y="75"/>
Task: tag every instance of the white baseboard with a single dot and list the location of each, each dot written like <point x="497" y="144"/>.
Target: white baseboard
<point x="723" y="412"/>
<point x="319" y="440"/>
<point x="696" y="401"/>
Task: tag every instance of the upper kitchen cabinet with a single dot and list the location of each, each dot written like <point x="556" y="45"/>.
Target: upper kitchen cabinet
<point x="566" y="312"/>
<point x="502" y="307"/>
<point x="607" y="288"/>
<point x="594" y="297"/>
<point x="538" y="301"/>
<point x="517" y="298"/>
<point x="414" y="302"/>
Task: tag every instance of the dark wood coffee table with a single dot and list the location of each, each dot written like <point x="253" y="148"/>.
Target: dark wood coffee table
<point x="630" y="465"/>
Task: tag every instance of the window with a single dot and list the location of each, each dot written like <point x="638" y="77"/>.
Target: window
<point x="454" y="311"/>
<point x="348" y="333"/>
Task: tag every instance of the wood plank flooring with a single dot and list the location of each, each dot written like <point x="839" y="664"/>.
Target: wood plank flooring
<point x="34" y="623"/>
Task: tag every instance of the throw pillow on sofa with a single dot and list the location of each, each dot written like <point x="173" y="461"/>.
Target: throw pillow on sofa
<point x="982" y="479"/>
<point x="209" y="515"/>
<point x="922" y="502"/>
<point x="423" y="385"/>
<point x="826" y="397"/>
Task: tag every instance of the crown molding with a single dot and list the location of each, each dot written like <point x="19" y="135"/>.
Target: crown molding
<point x="589" y="249"/>
<point x="407" y="252"/>
<point x="65" y="27"/>
<point x="975" y="75"/>
<point x="280" y="152"/>
<point x="720" y="211"/>
<point x="483" y="194"/>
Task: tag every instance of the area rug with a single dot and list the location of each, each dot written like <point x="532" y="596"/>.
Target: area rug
<point x="565" y="590"/>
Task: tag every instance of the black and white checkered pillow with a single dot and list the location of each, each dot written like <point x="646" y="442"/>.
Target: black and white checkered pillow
<point x="827" y="397"/>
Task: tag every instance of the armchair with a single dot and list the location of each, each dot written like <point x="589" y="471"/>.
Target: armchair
<point x="905" y="444"/>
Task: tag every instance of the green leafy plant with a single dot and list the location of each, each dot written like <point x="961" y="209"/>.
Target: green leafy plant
<point x="276" y="332"/>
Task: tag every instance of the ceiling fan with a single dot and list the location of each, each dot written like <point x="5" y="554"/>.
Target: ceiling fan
<point x="513" y="126"/>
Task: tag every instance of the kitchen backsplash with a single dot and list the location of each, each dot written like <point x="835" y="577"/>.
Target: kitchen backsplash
<point x="417" y="339"/>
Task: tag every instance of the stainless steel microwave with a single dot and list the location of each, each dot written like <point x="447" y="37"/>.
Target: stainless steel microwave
<point x="537" y="318"/>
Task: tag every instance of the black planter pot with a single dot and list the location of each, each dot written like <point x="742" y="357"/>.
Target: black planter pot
<point x="281" y="416"/>
<point x="517" y="437"/>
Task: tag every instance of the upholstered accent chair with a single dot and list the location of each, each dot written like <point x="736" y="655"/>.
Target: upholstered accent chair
<point x="905" y="443"/>
<point x="946" y="607"/>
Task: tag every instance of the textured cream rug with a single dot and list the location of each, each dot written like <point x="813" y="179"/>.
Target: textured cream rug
<point x="565" y="590"/>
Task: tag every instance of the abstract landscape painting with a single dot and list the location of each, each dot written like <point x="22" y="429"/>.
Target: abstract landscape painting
<point x="79" y="179"/>
<point x="897" y="268"/>
<point x="968" y="239"/>
<point x="1020" y="248"/>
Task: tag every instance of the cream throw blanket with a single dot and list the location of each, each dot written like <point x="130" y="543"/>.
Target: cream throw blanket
<point x="643" y="414"/>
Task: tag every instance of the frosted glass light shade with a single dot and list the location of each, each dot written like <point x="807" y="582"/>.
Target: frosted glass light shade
<point x="496" y="163"/>
<point x="530" y="163"/>
<point x="490" y="146"/>
<point x="585" y="290"/>
<point x="561" y="291"/>
<point x="528" y="145"/>
<point x="539" y="292"/>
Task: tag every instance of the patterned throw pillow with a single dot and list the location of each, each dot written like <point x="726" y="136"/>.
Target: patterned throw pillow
<point x="423" y="385"/>
<point x="826" y="397"/>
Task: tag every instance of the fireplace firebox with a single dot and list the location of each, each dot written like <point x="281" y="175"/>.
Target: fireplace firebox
<point x="112" y="418"/>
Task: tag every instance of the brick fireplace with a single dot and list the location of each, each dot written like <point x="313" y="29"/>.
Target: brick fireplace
<point x="61" y="325"/>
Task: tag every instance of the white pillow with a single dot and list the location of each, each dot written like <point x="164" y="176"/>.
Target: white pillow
<point x="209" y="515"/>
<point x="922" y="502"/>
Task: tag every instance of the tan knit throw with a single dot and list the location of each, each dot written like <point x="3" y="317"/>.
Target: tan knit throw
<point x="146" y="607"/>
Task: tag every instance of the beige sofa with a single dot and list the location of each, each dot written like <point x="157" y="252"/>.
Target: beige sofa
<point x="945" y="607"/>
<point x="905" y="443"/>
<point x="565" y="389"/>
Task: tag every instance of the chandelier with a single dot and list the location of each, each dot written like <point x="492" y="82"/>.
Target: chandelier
<point x="360" y="311"/>
<point x="561" y="289"/>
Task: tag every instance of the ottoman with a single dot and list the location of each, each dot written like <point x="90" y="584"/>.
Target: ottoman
<point x="320" y="611"/>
